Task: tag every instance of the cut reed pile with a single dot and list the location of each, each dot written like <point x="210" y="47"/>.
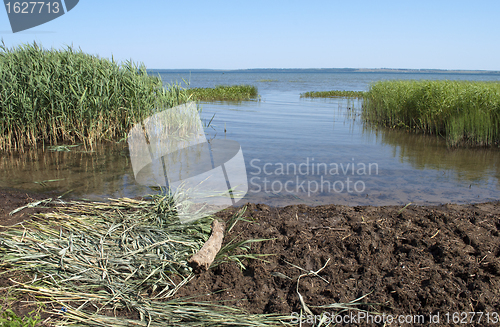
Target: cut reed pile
<point x="465" y="112"/>
<point x="224" y="93"/>
<point x="90" y="259"/>
<point x="51" y="96"/>
<point x="332" y="94"/>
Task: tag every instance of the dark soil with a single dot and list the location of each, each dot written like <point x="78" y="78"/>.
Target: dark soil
<point x="12" y="199"/>
<point x="417" y="261"/>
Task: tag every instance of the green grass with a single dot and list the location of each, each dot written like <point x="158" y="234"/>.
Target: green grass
<point x="464" y="112"/>
<point x="224" y="93"/>
<point x="8" y="318"/>
<point x="331" y="94"/>
<point x="53" y="96"/>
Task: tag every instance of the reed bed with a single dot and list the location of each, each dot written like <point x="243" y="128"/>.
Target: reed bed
<point x="54" y="96"/>
<point x="332" y="94"/>
<point x="224" y="93"/>
<point x="464" y="112"/>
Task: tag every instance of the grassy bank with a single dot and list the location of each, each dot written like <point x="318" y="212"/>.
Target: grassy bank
<point x="331" y="94"/>
<point x="51" y="96"/>
<point x="224" y="93"/>
<point x="465" y="112"/>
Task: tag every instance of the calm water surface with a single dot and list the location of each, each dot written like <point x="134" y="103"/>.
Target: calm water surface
<point x="313" y="151"/>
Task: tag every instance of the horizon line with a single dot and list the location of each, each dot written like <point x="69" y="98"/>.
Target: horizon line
<point x="336" y="69"/>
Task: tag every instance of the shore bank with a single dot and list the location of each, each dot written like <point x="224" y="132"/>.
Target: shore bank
<point x="414" y="261"/>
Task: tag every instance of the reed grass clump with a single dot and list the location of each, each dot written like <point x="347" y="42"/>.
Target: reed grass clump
<point x="332" y="94"/>
<point x="125" y="246"/>
<point x="224" y="93"/>
<point x="464" y="112"/>
<point x="51" y="96"/>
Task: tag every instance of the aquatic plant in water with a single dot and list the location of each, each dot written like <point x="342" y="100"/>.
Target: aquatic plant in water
<point x="464" y="112"/>
<point x="224" y="93"/>
<point x="331" y="94"/>
<point x="53" y="96"/>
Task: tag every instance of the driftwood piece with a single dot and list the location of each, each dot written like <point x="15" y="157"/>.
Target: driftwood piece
<point x="202" y="259"/>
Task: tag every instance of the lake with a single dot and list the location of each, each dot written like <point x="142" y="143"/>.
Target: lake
<point x="296" y="150"/>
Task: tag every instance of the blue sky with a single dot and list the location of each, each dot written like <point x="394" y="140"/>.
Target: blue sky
<point x="437" y="34"/>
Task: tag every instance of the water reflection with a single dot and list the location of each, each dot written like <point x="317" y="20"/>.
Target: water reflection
<point x="102" y="173"/>
<point x="428" y="152"/>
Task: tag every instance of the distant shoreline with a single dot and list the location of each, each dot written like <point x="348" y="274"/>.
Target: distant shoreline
<point x="332" y="70"/>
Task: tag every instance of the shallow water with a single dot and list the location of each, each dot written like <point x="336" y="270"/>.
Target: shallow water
<point x="318" y="152"/>
<point x="312" y="151"/>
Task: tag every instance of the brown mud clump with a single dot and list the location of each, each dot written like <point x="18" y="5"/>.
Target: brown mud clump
<point x="417" y="261"/>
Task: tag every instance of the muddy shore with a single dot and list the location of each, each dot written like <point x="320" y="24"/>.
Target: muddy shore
<point x="416" y="261"/>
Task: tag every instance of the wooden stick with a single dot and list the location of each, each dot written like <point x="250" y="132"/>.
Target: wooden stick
<point x="204" y="258"/>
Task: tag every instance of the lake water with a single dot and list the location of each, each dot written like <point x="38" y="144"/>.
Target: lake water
<point x="296" y="150"/>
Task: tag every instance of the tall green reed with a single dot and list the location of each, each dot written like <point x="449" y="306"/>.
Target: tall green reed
<point x="464" y="112"/>
<point x="224" y="93"/>
<point x="333" y="93"/>
<point x="51" y="96"/>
